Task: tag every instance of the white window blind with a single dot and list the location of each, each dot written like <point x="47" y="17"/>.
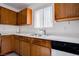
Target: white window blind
<point x="38" y="17"/>
<point x="43" y="18"/>
<point x="48" y="21"/>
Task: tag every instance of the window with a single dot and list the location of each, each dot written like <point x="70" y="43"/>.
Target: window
<point x="43" y="18"/>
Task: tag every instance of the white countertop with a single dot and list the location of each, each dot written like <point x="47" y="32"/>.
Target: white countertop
<point x="55" y="37"/>
<point x="73" y="39"/>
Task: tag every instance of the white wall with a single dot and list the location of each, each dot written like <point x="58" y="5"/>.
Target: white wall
<point x="66" y="28"/>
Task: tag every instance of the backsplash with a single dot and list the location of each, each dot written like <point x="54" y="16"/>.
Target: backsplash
<point x="67" y="27"/>
<point x="28" y="29"/>
<point x="8" y="28"/>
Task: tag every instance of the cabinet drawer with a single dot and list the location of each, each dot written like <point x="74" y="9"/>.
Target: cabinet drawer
<point x="36" y="41"/>
<point x="41" y="42"/>
<point x="26" y="39"/>
<point x="46" y="43"/>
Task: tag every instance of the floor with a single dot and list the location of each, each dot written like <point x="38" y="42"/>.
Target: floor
<point x="54" y="53"/>
<point x="12" y="54"/>
<point x="61" y="53"/>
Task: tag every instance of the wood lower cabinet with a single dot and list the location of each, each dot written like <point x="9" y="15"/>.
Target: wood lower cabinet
<point x="6" y="46"/>
<point x="24" y="48"/>
<point x="45" y="51"/>
<point x="37" y="50"/>
<point x="0" y="44"/>
<point x="40" y="47"/>
<point x="17" y="45"/>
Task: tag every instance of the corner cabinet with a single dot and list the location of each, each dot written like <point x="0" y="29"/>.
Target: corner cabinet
<point x="66" y="11"/>
<point x="6" y="44"/>
<point x="25" y="17"/>
<point x="7" y="16"/>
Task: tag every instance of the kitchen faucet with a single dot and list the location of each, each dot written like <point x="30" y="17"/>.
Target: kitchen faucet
<point x="44" y="31"/>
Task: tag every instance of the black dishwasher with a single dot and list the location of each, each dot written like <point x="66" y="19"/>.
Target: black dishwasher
<point x="66" y="46"/>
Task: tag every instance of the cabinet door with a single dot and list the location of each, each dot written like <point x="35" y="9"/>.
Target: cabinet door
<point x="8" y="16"/>
<point x="13" y="42"/>
<point x="6" y="46"/>
<point x="0" y="44"/>
<point x="35" y="50"/>
<point x="21" y="18"/>
<point x="29" y="16"/>
<point x="17" y="45"/>
<point x="24" y="48"/>
<point x="45" y="51"/>
<point x="25" y="17"/>
<point x="66" y="11"/>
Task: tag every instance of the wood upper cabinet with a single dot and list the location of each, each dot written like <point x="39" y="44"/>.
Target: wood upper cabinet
<point x="6" y="44"/>
<point x="7" y="16"/>
<point x="66" y="11"/>
<point x="25" y="17"/>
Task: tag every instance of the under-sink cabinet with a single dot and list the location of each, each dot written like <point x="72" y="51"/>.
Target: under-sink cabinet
<point x="25" y="46"/>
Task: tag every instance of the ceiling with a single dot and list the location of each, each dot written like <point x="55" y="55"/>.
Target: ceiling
<point x="20" y="6"/>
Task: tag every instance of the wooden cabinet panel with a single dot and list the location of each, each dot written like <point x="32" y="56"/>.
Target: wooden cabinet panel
<point x="8" y="16"/>
<point x="6" y="46"/>
<point x="24" y="48"/>
<point x="29" y="16"/>
<point x="26" y="39"/>
<point x="0" y="44"/>
<point x="37" y="50"/>
<point x="21" y="19"/>
<point x="0" y="41"/>
<point x="17" y="45"/>
<point x="45" y="51"/>
<point x="25" y="17"/>
<point x="40" y="47"/>
<point x="42" y="42"/>
<point x="66" y="11"/>
<point x="36" y="41"/>
<point x="46" y="43"/>
<point x="12" y="37"/>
